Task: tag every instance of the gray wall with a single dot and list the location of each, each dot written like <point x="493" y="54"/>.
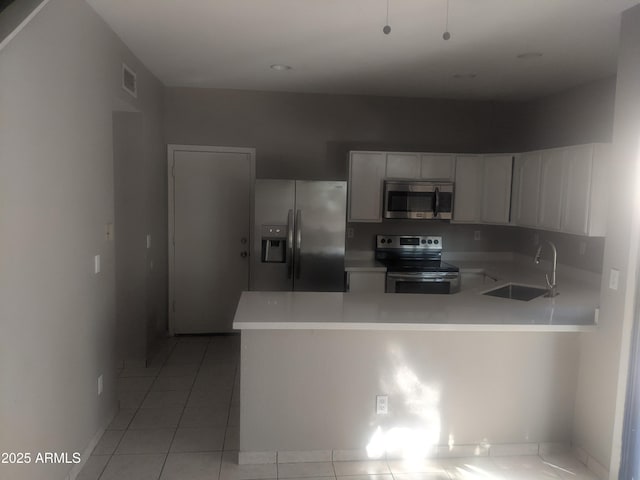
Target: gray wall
<point x="604" y="359"/>
<point x="583" y="114"/>
<point x="472" y="388"/>
<point x="308" y="136"/>
<point x="59" y="84"/>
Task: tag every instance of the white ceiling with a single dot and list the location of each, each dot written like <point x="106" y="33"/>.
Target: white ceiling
<point x="337" y="46"/>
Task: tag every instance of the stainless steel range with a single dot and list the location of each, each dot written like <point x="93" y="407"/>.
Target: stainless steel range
<point x="414" y="264"/>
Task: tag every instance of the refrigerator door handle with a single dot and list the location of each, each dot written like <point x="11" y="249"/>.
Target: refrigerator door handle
<point x="296" y="259"/>
<point x="290" y="244"/>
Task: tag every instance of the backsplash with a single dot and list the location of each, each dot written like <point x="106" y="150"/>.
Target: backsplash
<point x="492" y="238"/>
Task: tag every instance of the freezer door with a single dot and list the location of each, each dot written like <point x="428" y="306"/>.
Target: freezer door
<point x="274" y="205"/>
<point x="319" y="236"/>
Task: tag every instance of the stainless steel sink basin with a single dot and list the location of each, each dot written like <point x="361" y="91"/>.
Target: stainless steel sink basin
<point x="515" y="291"/>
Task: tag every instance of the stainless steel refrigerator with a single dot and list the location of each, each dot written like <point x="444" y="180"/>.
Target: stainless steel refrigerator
<point x="299" y="235"/>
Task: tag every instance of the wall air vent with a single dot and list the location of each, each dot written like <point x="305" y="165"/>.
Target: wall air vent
<point x="129" y="82"/>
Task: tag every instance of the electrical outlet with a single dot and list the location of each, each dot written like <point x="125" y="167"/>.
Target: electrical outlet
<point x="536" y="239"/>
<point x="148" y="240"/>
<point x="477" y="235"/>
<point x="614" y="278"/>
<point x="583" y="247"/>
<point x="100" y="385"/>
<point x="108" y="231"/>
<point x="382" y="404"/>
<point x="96" y="264"/>
<point x="350" y="232"/>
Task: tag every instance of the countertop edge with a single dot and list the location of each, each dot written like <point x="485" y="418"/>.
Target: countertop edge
<point x="414" y="327"/>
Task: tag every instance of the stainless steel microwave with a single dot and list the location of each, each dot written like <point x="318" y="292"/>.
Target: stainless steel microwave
<point x="416" y="199"/>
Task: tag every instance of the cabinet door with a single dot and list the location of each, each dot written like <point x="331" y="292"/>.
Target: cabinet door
<point x="366" y="171"/>
<point x="403" y="165"/>
<point x="496" y="191"/>
<point x="366" y="282"/>
<point x="526" y="189"/>
<point x="577" y="186"/>
<point x="551" y="191"/>
<point x="434" y="166"/>
<point x="467" y="205"/>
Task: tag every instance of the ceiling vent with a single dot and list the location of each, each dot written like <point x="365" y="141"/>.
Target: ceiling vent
<point x="129" y="82"/>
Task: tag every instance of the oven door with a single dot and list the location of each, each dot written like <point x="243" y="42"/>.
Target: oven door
<point x="423" y="282"/>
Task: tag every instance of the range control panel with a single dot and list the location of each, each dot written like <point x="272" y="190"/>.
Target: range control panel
<point x="409" y="242"/>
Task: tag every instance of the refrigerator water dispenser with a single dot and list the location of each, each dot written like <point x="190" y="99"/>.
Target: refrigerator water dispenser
<point x="274" y="244"/>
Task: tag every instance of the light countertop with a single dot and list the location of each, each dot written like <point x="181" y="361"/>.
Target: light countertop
<point x="573" y="310"/>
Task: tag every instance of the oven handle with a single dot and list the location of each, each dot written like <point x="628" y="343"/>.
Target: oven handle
<point x="424" y="276"/>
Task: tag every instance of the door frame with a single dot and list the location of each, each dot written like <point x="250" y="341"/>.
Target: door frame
<point x="171" y="150"/>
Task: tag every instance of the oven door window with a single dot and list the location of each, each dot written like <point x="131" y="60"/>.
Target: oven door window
<point x="422" y="287"/>
<point x="410" y="201"/>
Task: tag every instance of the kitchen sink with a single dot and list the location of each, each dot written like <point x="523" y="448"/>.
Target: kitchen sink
<point x="515" y="291"/>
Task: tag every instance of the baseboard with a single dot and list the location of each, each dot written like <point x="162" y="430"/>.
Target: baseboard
<point x="76" y="469"/>
<point x="439" y="451"/>
<point x="591" y="463"/>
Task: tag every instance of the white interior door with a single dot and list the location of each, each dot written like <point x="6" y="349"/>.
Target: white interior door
<point x="210" y="218"/>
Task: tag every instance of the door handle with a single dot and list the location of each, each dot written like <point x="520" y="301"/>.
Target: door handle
<point x="290" y="244"/>
<point x="297" y="260"/>
<point x="244" y="254"/>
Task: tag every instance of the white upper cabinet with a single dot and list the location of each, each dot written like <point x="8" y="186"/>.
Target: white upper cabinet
<point x="482" y="189"/>
<point x="467" y="200"/>
<point x="584" y="205"/>
<point x="551" y="188"/>
<point x="526" y="189"/>
<point x="366" y="172"/>
<point x="437" y="166"/>
<point x="496" y="193"/>
<point x="403" y="165"/>
<point x="571" y="188"/>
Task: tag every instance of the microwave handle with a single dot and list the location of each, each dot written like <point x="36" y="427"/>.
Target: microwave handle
<point x="436" y="202"/>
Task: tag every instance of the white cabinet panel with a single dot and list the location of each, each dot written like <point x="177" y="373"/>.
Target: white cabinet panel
<point x="366" y="172"/>
<point x="496" y="196"/>
<point x="366" y="282"/>
<point x="482" y="189"/>
<point x="572" y="191"/>
<point x="526" y="189"/>
<point x="585" y="199"/>
<point x="436" y="166"/>
<point x="467" y="204"/>
<point x="551" y="188"/>
<point x="403" y="165"/>
<point x="577" y="185"/>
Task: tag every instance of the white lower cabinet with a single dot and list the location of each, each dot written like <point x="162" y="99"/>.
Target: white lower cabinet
<point x="482" y="189"/>
<point x="366" y="282"/>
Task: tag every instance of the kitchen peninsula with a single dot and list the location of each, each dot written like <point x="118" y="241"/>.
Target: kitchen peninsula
<point x="464" y="374"/>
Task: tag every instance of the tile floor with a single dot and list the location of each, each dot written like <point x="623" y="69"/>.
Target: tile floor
<point x="179" y="419"/>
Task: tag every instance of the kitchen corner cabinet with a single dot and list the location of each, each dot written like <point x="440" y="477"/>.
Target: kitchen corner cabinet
<point x="585" y="197"/>
<point x="366" y="172"/>
<point x="482" y="189"/>
<point x="570" y="186"/>
<point x="366" y="282"/>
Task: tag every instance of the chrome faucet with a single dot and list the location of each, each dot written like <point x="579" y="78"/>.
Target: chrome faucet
<point x="552" y="287"/>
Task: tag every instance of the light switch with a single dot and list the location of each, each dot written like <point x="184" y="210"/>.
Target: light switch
<point x="148" y="240"/>
<point x="614" y="278"/>
<point x="96" y="264"/>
